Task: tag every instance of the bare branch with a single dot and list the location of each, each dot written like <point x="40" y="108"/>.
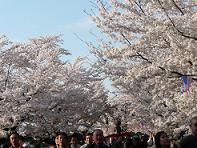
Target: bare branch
<point x="103" y="6"/>
<point x="126" y="39"/>
<point x="146" y="59"/>
<point x="138" y="4"/>
<point x="178" y="7"/>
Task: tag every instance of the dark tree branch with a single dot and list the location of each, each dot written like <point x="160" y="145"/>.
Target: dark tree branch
<point x="173" y="24"/>
<point x="94" y="4"/>
<point x="195" y="79"/>
<point x="168" y="43"/>
<point x="138" y="54"/>
<point x="162" y="68"/>
<point x="180" y="75"/>
<point x="177" y="7"/>
<point x="190" y="62"/>
<point x="139" y="6"/>
<point x="142" y="57"/>
<point x="126" y="39"/>
<point x="103" y="6"/>
<point x="175" y="72"/>
<point x="185" y="35"/>
<point x="146" y="59"/>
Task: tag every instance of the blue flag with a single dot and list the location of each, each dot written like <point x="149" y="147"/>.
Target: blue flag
<point x="187" y="81"/>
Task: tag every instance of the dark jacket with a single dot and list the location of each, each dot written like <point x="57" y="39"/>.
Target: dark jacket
<point x="189" y="142"/>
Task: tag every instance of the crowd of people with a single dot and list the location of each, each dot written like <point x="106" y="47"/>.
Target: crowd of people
<point x="97" y="140"/>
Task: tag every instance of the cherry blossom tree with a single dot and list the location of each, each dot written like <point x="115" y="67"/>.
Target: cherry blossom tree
<point x="146" y="47"/>
<point x="41" y="92"/>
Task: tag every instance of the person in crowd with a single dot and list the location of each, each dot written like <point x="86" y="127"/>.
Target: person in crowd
<point x="128" y="141"/>
<point x="174" y="142"/>
<point x="57" y="141"/>
<point x="88" y="140"/>
<point x="190" y="141"/>
<point x="144" y="141"/>
<point x="151" y="140"/>
<point x="14" y="140"/>
<point x="111" y="141"/>
<point x="4" y="142"/>
<point x="98" y="139"/>
<point x="162" y="140"/>
<point x="139" y="141"/>
<point x="61" y="140"/>
<point x="136" y="141"/>
<point x="118" y="143"/>
<point x="74" y="141"/>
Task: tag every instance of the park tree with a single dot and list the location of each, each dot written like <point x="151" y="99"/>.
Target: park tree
<point x="145" y="48"/>
<point x="41" y="92"/>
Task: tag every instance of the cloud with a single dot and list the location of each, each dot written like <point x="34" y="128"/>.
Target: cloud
<point x="79" y="24"/>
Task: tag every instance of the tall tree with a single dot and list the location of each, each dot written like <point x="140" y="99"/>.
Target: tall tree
<point x="41" y="92"/>
<point x="147" y="46"/>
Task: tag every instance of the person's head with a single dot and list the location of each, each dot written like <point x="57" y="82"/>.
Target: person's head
<point x="193" y="125"/>
<point x="88" y="138"/>
<point x="21" y="140"/>
<point x="57" y="140"/>
<point x="136" y="139"/>
<point x="162" y="140"/>
<point x="61" y="139"/>
<point x="74" y="139"/>
<point x="14" y="139"/>
<point x="98" y="136"/>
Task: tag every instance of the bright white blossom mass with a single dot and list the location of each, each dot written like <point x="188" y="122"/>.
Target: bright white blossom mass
<point x="42" y="93"/>
<point x="150" y="45"/>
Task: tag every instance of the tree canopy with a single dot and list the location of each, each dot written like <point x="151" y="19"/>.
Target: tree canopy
<point x="146" y="47"/>
<point x="41" y="92"/>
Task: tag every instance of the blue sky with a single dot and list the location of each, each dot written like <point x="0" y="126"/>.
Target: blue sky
<point x="25" y="19"/>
